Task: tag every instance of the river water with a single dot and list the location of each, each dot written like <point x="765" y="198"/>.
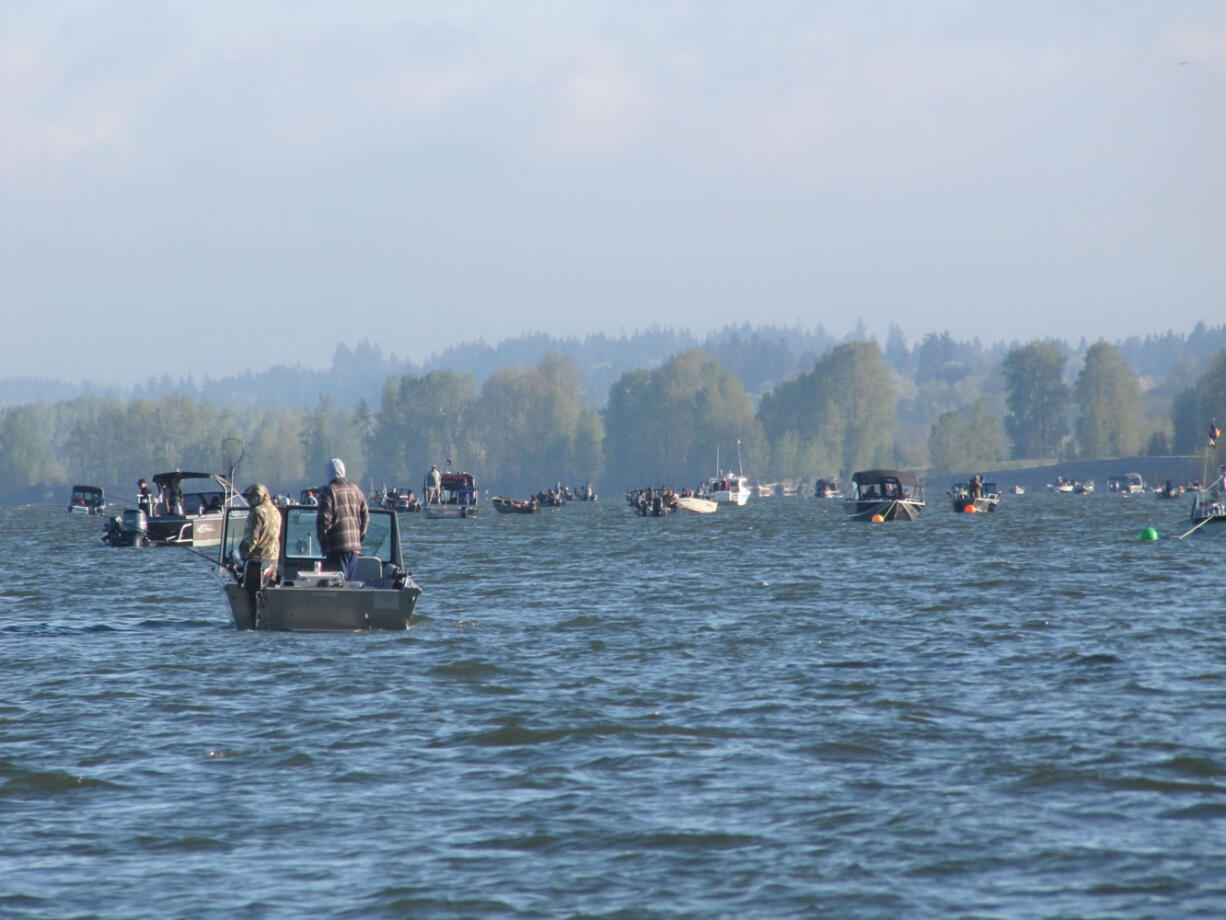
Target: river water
<point x="766" y="712"/>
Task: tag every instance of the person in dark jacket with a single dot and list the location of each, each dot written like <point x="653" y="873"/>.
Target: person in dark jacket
<point x="342" y="520"/>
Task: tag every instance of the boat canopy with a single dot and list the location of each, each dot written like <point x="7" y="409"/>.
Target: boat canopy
<point x="86" y="492"/>
<point x="166" y="479"/>
<point x="206" y="492"/>
<point x="453" y="482"/>
<point x="871" y="477"/>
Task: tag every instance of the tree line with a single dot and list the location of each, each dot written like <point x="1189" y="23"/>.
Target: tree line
<point x="525" y="427"/>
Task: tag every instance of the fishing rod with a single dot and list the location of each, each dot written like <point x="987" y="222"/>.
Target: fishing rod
<point x="221" y="565"/>
<point x="1196" y="528"/>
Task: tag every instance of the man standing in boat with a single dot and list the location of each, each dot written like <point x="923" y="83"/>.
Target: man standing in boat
<point x="342" y="520"/>
<point x="261" y="543"/>
<point x="434" y="486"/>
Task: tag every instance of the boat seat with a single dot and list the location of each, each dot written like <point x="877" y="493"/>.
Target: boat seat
<point x="368" y="570"/>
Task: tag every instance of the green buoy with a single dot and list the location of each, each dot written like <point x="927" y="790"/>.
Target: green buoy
<point x="1149" y="534"/>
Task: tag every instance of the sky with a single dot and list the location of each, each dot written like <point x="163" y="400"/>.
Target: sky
<point x="206" y="188"/>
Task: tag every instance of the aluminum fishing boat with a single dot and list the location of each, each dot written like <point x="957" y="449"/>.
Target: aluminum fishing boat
<point x="188" y="512"/>
<point x="962" y="497"/>
<point x="511" y="506"/>
<point x="86" y="500"/>
<point x="1209" y="508"/>
<point x="885" y="495"/>
<point x="304" y="596"/>
<point x="457" y="497"/>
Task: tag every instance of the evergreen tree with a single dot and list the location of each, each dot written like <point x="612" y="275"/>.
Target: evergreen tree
<point x="1037" y="399"/>
<point x="665" y="426"/>
<point x="845" y="403"/>
<point x="1109" y="397"/>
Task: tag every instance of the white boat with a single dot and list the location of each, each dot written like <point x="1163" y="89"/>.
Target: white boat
<point x="696" y="504"/>
<point x="1019" y="489"/>
<point x="1128" y="484"/>
<point x="884" y="495"/>
<point x="304" y="597"/>
<point x="727" y="488"/>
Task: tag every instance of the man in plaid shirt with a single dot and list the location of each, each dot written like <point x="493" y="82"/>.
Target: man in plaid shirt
<point x="342" y="520"/>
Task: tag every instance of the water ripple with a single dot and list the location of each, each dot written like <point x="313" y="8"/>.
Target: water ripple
<point x="770" y="712"/>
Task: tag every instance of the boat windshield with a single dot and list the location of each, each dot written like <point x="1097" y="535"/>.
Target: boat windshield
<point x="889" y="488"/>
<point x="300" y="544"/>
<point x="301" y="541"/>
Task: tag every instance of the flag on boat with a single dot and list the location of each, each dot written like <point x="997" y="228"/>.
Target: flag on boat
<point x="1214" y="433"/>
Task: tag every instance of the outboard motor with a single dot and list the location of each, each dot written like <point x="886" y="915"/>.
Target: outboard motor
<point x="135" y="528"/>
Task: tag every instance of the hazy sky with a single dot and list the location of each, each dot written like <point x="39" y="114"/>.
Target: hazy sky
<point x="207" y="187"/>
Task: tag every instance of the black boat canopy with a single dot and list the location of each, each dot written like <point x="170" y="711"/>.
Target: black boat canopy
<point x="868" y="477"/>
<point x="165" y="479"/>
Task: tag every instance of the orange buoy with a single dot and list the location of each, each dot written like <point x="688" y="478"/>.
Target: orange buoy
<point x="877" y="519"/>
<point x="970" y="509"/>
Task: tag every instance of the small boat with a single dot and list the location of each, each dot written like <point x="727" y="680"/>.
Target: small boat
<point x="457" y="497"/>
<point x="511" y="506"/>
<point x="403" y="500"/>
<point x="987" y="499"/>
<point x="887" y="495"/>
<point x="188" y="512"/>
<point x="306" y="598"/>
<point x="1019" y="489"/>
<point x="695" y="504"/>
<point x="1169" y="491"/>
<point x="1128" y="484"/>
<point x="652" y="502"/>
<point x="764" y="489"/>
<point x="1084" y="488"/>
<point x="1209" y="507"/>
<point x="1061" y="485"/>
<point x="86" y="500"/>
<point x="827" y="488"/>
<point x="1208" y="514"/>
<point x="726" y="489"/>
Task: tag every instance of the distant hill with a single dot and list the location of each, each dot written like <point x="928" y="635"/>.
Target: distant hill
<point x="761" y="356"/>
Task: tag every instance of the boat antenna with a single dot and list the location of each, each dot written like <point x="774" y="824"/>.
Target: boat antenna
<point x="740" y="469"/>
<point x="232" y="450"/>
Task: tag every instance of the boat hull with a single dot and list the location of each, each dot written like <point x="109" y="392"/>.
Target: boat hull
<point x="728" y="498"/>
<point x="510" y="506"/>
<point x="697" y="505"/>
<point x="346" y="608"/>
<point x="981" y="504"/>
<point x="450" y="511"/>
<point x="184" y="530"/>
<point x="900" y="509"/>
